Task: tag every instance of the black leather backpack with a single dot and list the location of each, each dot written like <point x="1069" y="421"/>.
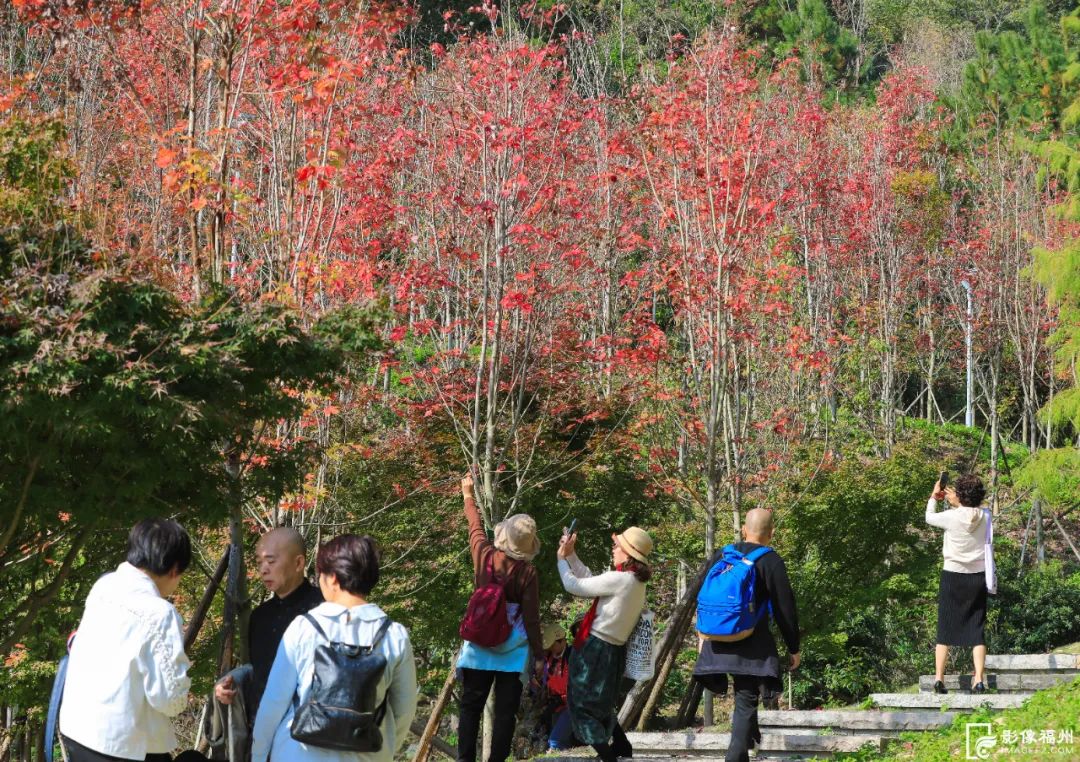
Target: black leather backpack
<point x="340" y="711"/>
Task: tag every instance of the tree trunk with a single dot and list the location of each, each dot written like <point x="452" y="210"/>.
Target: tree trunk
<point x="192" y="631"/>
<point x="1040" y="545"/>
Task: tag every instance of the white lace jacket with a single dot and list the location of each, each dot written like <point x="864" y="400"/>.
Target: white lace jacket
<point x="127" y="674"/>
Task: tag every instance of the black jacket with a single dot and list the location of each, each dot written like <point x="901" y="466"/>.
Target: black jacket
<point x="267" y="626"/>
<point x="757" y="655"/>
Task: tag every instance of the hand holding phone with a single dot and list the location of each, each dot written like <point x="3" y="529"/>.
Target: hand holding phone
<point x="572" y="528"/>
<point x="939" y="488"/>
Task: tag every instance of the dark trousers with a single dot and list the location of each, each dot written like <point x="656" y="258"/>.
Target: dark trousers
<point x="475" y="686"/>
<point x="745" y="733"/>
<point x="561" y="735"/>
<point x="619" y="746"/>
<point x="79" y="753"/>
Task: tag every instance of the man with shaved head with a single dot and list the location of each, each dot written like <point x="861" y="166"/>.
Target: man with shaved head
<point x="281" y="559"/>
<point x="754" y="661"/>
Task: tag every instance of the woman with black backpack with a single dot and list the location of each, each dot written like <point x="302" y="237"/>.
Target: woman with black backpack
<point x="343" y="684"/>
<point x="598" y="661"/>
<point x="501" y="627"/>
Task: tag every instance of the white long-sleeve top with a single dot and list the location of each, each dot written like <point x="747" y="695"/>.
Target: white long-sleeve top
<point x="127" y="672"/>
<point x="621" y="594"/>
<point x="965" y="536"/>
<point x="292" y="673"/>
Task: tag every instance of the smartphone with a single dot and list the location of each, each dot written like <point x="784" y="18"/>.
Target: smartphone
<point x="572" y="528"/>
<point x="943" y="479"/>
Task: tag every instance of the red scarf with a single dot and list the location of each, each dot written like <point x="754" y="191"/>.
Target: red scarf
<point x="586" y="624"/>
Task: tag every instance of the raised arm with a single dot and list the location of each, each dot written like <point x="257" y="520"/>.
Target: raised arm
<point x="477" y="536"/>
<point x="608" y="583"/>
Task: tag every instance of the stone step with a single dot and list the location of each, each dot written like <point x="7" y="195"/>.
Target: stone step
<point x="956" y="701"/>
<point x="1034" y="663"/>
<point x="851" y="722"/>
<point x="590" y="756"/>
<point x="1009" y="682"/>
<point x="773" y="745"/>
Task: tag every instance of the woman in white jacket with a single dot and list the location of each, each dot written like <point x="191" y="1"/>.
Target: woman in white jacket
<point x="127" y="672"/>
<point x="962" y="592"/>
<point x="348" y="568"/>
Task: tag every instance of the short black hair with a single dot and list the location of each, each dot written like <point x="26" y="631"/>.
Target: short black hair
<point x="352" y="560"/>
<point x="970" y="491"/>
<point x="159" y="546"/>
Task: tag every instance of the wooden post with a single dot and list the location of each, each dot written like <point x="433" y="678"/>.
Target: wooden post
<point x="1067" y="538"/>
<point x="690" y="704"/>
<point x="423" y="750"/>
<point x="199" y="617"/>
<point x="437" y="743"/>
<point x="673" y="635"/>
<point x="658" y="687"/>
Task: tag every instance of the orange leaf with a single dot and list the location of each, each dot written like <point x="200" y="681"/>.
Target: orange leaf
<point x="165" y="157"/>
<point x="198" y="204"/>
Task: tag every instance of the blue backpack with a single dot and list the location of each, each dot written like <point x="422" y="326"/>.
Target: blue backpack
<point x="725" y="609"/>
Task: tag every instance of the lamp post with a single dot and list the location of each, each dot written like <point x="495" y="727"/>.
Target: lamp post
<point x="969" y="405"/>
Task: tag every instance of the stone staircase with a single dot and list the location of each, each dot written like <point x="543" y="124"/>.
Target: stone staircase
<point x="817" y="734"/>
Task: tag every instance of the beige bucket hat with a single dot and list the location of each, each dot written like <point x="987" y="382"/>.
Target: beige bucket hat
<point x="636" y="542"/>
<point x="516" y="537"/>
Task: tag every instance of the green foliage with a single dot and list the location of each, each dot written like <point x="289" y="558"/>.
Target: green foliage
<point x="34" y="174"/>
<point x="118" y="401"/>
<point x="1015" y="80"/>
<point x="1055" y="473"/>
<point x="1036" y="612"/>
<point x="1055" y="69"/>
<point x="828" y="51"/>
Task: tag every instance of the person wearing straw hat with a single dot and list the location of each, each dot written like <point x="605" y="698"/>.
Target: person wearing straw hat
<point x="507" y="562"/>
<point x="598" y="659"/>
<point x="552" y="682"/>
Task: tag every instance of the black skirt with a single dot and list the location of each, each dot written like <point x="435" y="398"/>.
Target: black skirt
<point x="961" y="609"/>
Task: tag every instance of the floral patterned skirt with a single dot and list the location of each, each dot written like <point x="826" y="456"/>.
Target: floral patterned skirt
<point x="596" y="673"/>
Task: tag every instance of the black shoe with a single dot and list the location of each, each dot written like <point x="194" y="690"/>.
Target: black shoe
<point x="978" y="688"/>
<point x="939" y="687"/>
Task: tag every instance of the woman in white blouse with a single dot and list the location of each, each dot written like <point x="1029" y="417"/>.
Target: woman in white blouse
<point x="127" y="673"/>
<point x="962" y="592"/>
<point x="599" y="656"/>
<point x="348" y="568"/>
